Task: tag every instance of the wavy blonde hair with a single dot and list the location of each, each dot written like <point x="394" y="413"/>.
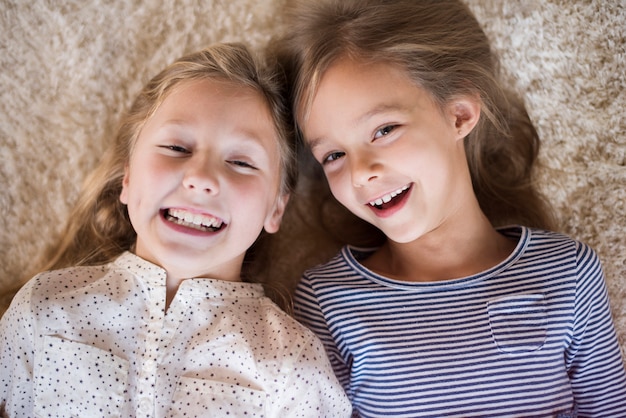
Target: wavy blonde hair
<point x="444" y="50"/>
<point x="99" y="229"/>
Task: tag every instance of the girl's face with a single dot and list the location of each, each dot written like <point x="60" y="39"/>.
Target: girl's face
<point x="390" y="154"/>
<point x="203" y="180"/>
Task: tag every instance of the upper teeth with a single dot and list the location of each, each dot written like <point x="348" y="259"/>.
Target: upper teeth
<point x="195" y="218"/>
<point x="387" y="198"/>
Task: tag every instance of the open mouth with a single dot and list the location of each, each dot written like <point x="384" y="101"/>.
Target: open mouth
<point x="390" y="199"/>
<point x="199" y="222"/>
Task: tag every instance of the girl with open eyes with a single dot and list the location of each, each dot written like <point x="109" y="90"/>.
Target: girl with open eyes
<point x="471" y="306"/>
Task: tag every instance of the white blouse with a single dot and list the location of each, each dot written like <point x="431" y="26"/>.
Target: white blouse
<point x="97" y="341"/>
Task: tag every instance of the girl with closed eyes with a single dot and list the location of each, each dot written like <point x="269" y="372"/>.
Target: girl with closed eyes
<point x="145" y="310"/>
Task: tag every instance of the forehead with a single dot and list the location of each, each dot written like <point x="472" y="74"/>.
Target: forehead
<point x="208" y="91"/>
<point x="353" y="90"/>
<point x="222" y="104"/>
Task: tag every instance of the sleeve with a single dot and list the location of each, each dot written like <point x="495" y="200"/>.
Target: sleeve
<point x="595" y="363"/>
<point x="311" y="389"/>
<point x="308" y="311"/>
<point x="16" y="356"/>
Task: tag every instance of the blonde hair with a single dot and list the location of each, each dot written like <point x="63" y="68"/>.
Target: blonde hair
<point x="445" y="51"/>
<point x="99" y="229"/>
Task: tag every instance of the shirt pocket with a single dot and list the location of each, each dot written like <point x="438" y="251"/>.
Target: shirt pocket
<point x="199" y="397"/>
<point x="72" y="379"/>
<point x="518" y="323"/>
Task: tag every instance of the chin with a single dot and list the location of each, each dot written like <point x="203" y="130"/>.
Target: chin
<point x="403" y="237"/>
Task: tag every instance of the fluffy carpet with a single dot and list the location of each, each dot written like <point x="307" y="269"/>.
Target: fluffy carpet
<point x="68" y="68"/>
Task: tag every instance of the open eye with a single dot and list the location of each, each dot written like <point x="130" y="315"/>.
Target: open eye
<point x="333" y="156"/>
<point x="385" y="130"/>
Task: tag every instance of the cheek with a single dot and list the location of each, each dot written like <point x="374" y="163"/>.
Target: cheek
<point x="247" y="192"/>
<point x="140" y="182"/>
<point x="340" y="186"/>
<point x="151" y="172"/>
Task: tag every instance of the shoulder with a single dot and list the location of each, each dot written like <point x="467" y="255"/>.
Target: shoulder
<point x="56" y="281"/>
<point x="55" y="285"/>
<point x="554" y="250"/>
<point x="536" y="236"/>
<point x="285" y="337"/>
<point x="341" y="279"/>
<point x="533" y="241"/>
<point x="48" y="286"/>
<point x="344" y="264"/>
<point x="549" y="240"/>
<point x="284" y="330"/>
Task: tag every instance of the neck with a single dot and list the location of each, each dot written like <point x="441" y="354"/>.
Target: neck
<point x="445" y="253"/>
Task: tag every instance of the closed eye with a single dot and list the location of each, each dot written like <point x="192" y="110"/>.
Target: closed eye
<point x="176" y="148"/>
<point x="242" y="164"/>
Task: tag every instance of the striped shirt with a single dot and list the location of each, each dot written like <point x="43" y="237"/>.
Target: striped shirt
<point x="530" y="337"/>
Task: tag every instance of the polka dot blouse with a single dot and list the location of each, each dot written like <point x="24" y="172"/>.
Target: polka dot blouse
<point x="97" y="341"/>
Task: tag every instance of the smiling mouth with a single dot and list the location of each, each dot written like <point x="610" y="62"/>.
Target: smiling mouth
<point x="390" y="199"/>
<point x="195" y="221"/>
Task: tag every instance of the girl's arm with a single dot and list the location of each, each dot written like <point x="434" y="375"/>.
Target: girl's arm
<point x="594" y="359"/>
<point x="17" y="356"/>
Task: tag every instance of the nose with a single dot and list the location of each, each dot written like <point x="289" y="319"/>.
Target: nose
<point x="364" y="169"/>
<point x="201" y="176"/>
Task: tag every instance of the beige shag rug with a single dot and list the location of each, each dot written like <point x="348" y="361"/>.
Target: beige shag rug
<point x="68" y="68"/>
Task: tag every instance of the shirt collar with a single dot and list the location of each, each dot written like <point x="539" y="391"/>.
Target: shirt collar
<point x="156" y="276"/>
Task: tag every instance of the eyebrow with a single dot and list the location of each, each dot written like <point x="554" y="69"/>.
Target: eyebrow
<point x="244" y="133"/>
<point x="381" y="108"/>
<point x="313" y="143"/>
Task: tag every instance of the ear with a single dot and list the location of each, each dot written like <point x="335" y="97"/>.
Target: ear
<point x="464" y="113"/>
<point x="124" y="192"/>
<point x="272" y="223"/>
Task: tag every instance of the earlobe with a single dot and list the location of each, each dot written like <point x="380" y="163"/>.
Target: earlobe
<point x="124" y="192"/>
<point x="272" y="223"/>
<point x="466" y="114"/>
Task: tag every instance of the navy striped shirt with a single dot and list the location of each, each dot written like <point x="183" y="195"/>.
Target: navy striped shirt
<point x="531" y="337"/>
